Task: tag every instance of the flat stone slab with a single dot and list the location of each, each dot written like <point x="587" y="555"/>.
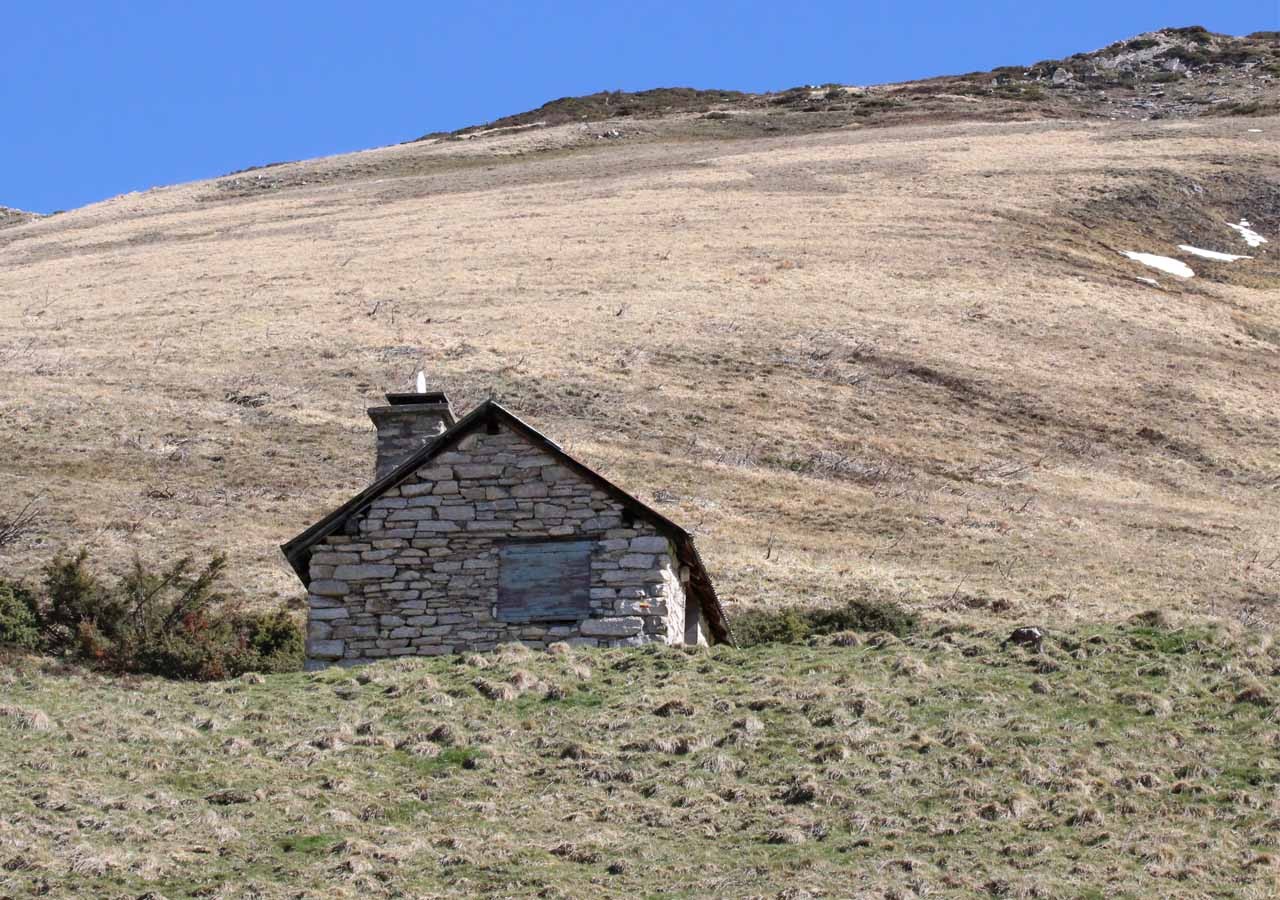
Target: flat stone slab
<point x="617" y="626"/>
<point x="649" y="545"/>
<point x="364" y="572"/>
<point x="325" y="649"/>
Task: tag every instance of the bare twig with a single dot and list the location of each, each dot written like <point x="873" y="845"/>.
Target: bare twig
<point x="886" y="549"/>
<point x="14" y="528"/>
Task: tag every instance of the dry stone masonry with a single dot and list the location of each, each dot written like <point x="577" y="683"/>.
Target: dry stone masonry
<point x="495" y="537"/>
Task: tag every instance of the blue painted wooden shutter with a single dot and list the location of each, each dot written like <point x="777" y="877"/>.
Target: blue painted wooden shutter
<point x="544" y="582"/>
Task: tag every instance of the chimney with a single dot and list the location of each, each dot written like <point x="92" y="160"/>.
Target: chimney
<point x="408" y="424"/>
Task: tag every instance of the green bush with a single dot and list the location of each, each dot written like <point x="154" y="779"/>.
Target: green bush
<point x="796" y="625"/>
<point x="18" y="624"/>
<point x="172" y="621"/>
<point x="761" y="626"/>
<point x="865" y="615"/>
<point x="1196" y="33"/>
<point x="1189" y="56"/>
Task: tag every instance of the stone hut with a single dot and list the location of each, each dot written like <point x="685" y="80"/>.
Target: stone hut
<point x="481" y="531"/>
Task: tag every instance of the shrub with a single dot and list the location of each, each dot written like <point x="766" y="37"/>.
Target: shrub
<point x="18" y="624"/>
<point x="761" y="626"/>
<point x="1189" y="56"/>
<point x="1196" y="33"/>
<point x="796" y="625"/>
<point x="171" y="621"/>
<point x="865" y="615"/>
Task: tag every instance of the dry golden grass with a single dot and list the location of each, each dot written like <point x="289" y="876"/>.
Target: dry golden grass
<point x="902" y="361"/>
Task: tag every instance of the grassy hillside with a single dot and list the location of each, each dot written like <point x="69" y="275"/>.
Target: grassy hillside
<point x="902" y="361"/>
<point x="1138" y="760"/>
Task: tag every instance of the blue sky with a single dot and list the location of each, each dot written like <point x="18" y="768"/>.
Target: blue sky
<point x="100" y="98"/>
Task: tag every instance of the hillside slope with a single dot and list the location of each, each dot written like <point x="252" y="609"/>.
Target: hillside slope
<point x="904" y="359"/>
<point x="1170" y="73"/>
<point x="1123" y="762"/>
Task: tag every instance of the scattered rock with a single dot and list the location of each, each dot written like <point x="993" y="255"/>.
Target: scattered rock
<point x="674" y="708"/>
<point x="784" y="836"/>
<point x="1026" y="636"/>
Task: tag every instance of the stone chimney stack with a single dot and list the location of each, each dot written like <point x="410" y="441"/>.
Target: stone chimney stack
<point x="408" y="423"/>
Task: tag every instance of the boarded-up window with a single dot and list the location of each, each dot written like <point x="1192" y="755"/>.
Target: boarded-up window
<point x="544" y="582"/>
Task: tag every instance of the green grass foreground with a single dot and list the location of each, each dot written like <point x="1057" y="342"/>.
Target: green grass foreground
<point x="1123" y="761"/>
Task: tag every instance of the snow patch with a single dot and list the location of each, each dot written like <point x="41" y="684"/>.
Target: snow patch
<point x="1255" y="131"/>
<point x="1150" y="281"/>
<point x="1211" y="254"/>
<point x="1163" y="263"/>
<point x="1251" y="237"/>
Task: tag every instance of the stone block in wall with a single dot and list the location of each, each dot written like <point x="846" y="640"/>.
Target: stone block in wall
<point x="412" y="515"/>
<point x="604" y="523"/>
<point x="489" y="525"/>
<point x="456" y="513"/>
<point x="331" y="558"/>
<point x="363" y="572"/>
<point x="650" y="544"/>
<point x="477" y="471"/>
<point x="435" y="527"/>
<point x="329" y="588"/>
<point x="633" y="607"/>
<point x="618" y="626"/>
<point x="325" y="649"/>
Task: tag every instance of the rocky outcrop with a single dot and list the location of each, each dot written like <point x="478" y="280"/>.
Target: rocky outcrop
<point x="10" y="216"/>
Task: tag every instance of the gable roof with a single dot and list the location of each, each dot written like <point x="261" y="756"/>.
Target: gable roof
<point x="298" y="550"/>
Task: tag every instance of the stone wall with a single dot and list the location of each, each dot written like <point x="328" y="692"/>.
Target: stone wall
<point x="417" y="572"/>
